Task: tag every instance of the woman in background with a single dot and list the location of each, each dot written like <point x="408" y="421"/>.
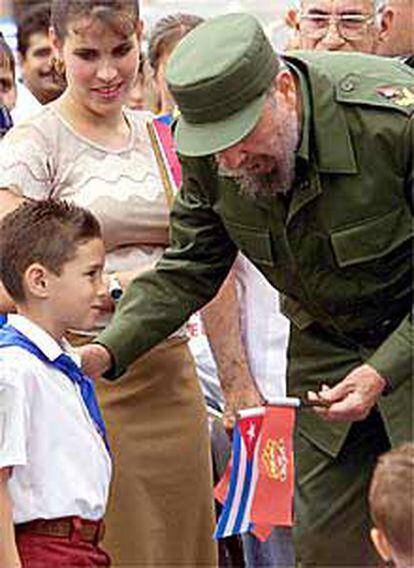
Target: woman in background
<point x="87" y="148"/>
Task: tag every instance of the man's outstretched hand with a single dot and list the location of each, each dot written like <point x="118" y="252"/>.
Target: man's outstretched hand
<point x="352" y="398"/>
<point x="96" y="360"/>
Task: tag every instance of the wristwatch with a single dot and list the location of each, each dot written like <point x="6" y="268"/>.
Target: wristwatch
<point x="114" y="286"/>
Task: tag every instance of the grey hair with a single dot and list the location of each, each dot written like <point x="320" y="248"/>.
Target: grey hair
<point x="378" y="4"/>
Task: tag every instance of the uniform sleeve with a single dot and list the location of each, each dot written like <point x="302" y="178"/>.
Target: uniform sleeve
<point x="188" y="275"/>
<point x="14" y="418"/>
<point x="26" y="162"/>
<point x="394" y="358"/>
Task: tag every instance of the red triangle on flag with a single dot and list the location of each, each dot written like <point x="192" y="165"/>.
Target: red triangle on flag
<point x="250" y="427"/>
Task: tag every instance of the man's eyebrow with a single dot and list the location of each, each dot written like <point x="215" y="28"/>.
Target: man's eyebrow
<point x="352" y="12"/>
<point x="314" y="11"/>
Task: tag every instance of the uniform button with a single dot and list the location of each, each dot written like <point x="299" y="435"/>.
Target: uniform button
<point x="348" y="85"/>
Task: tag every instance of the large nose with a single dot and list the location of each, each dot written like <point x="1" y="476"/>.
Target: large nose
<point x="332" y="41"/>
<point x="233" y="157"/>
<point x="106" y="71"/>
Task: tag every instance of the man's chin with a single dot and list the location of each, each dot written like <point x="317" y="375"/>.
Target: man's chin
<point x="268" y="184"/>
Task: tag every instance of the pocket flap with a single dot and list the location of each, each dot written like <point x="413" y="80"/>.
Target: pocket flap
<point x="371" y="239"/>
<point x="254" y="241"/>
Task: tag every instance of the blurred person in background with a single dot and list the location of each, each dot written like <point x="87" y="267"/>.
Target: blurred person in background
<point x="40" y="84"/>
<point x="343" y="25"/>
<point x="7" y="102"/>
<point x="138" y="96"/>
<point x="400" y="40"/>
<point x="245" y="328"/>
<point x="88" y="148"/>
<point x="8" y="92"/>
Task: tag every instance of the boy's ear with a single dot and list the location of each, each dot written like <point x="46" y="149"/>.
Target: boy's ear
<point x="36" y="281"/>
<point x="381" y="544"/>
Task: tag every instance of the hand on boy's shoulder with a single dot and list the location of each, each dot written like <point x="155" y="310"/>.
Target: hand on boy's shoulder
<point x="96" y="360"/>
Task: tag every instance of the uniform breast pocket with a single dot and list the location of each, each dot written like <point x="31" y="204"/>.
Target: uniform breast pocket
<point x="375" y="241"/>
<point x="255" y="242"/>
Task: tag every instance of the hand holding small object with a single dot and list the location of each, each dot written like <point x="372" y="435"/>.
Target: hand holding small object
<point x="352" y="398"/>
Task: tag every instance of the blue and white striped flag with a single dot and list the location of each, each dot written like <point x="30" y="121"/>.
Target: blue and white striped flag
<point x="235" y="516"/>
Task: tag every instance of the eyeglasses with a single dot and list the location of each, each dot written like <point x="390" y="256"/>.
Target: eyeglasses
<point x="350" y="27"/>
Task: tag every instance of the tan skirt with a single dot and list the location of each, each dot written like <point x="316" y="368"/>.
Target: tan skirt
<point x="161" y="505"/>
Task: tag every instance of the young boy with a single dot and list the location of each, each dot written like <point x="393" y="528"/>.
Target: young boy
<point x="391" y="500"/>
<point x="55" y="466"/>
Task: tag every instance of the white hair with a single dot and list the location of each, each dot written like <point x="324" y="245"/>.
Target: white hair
<point x="378" y="4"/>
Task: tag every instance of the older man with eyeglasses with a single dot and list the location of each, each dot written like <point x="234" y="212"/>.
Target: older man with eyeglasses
<point x="344" y="25"/>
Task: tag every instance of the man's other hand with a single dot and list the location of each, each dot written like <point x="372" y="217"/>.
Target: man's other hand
<point x="352" y="398"/>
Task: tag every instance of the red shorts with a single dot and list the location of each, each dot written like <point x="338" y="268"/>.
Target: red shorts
<point x="69" y="541"/>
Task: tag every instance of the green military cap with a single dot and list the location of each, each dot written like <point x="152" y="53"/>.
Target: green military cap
<point x="219" y="74"/>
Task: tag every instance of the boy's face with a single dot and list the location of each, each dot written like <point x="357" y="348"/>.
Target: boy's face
<point x="76" y="295"/>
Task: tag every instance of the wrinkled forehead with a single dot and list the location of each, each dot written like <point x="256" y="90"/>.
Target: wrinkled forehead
<point x="339" y="6"/>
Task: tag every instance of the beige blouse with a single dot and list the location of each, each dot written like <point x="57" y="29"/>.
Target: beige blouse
<point x="44" y="156"/>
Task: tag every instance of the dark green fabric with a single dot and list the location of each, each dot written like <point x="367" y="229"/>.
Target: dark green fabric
<point x="340" y="251"/>
<point x="332" y="524"/>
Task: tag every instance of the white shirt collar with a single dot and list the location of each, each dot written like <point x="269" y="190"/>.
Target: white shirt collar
<point x="42" y="339"/>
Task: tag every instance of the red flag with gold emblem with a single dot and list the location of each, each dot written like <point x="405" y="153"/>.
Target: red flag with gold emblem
<point x="273" y="499"/>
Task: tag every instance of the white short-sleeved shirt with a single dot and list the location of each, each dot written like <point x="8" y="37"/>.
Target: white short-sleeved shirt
<point x="61" y="466"/>
<point x="264" y="330"/>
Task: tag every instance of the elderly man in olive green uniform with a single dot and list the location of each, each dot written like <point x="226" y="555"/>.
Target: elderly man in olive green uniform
<point x="304" y="163"/>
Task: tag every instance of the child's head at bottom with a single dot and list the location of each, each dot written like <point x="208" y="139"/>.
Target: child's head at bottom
<point x="51" y="261"/>
<point x="392" y="506"/>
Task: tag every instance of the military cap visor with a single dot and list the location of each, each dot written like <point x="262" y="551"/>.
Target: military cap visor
<point x="209" y="138"/>
<point x="219" y="75"/>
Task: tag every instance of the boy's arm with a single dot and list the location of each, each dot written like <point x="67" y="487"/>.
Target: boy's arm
<point x="9" y="556"/>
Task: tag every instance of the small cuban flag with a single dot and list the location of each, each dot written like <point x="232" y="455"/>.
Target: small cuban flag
<point x="257" y="487"/>
<point x="239" y="481"/>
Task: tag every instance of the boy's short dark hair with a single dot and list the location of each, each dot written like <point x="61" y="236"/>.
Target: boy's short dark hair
<point x="35" y="20"/>
<point x="46" y="231"/>
<point x="391" y="498"/>
<point x="6" y="57"/>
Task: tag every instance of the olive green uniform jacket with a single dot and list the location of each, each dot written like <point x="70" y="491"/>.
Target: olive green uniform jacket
<point x="338" y="246"/>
